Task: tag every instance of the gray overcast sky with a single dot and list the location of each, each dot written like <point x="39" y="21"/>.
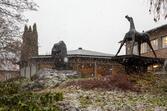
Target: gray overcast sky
<point x="91" y="24"/>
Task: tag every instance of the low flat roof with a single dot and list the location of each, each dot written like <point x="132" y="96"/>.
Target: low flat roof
<point x="79" y="53"/>
<point x="84" y="52"/>
<point x="157" y="28"/>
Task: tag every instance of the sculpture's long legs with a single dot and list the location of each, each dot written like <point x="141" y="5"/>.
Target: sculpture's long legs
<point x="149" y="43"/>
<point x="121" y="46"/>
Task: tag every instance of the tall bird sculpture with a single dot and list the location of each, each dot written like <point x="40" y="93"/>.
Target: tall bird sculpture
<point x="135" y="36"/>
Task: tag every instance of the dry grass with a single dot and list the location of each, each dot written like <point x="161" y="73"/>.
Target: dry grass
<point x="107" y="83"/>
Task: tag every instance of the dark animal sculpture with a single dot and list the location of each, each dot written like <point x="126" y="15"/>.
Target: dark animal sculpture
<point x="59" y="54"/>
<point x="135" y="36"/>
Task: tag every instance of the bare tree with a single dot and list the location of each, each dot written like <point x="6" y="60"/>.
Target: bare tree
<point x="11" y="18"/>
<point x="158" y="8"/>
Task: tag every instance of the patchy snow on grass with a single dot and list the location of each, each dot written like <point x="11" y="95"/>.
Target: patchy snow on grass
<point x="98" y="100"/>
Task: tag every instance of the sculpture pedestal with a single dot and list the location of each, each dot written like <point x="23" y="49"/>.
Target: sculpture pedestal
<point x="134" y="63"/>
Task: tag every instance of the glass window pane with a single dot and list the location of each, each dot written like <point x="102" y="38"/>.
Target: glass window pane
<point x="154" y="44"/>
<point x="164" y="42"/>
<point x="143" y="47"/>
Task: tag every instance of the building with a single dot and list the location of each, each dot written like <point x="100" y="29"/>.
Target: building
<point x="90" y="63"/>
<point x="158" y="37"/>
<point x="87" y="63"/>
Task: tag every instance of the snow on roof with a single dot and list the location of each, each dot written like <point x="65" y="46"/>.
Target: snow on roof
<point x="84" y="52"/>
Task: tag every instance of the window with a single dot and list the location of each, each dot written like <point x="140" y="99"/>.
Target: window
<point x="143" y="47"/>
<point x="164" y="42"/>
<point x="154" y="44"/>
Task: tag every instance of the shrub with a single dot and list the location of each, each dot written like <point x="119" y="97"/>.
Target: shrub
<point x="150" y="82"/>
<point x="12" y="86"/>
<point x="12" y="98"/>
<point x="85" y="101"/>
<point x="108" y="83"/>
<point x="31" y="101"/>
<point x="7" y="88"/>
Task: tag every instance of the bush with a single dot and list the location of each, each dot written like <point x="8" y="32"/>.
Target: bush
<point x="31" y="101"/>
<point x="12" y="98"/>
<point x="8" y="88"/>
<point x="119" y="81"/>
<point x="85" y="101"/>
<point x="149" y="82"/>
